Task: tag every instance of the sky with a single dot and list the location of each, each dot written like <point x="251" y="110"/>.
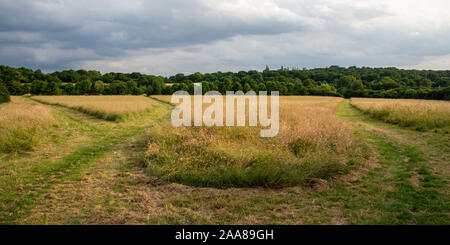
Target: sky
<point x="186" y="36"/>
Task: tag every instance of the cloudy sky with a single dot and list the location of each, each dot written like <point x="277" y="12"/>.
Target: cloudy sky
<point x="172" y="36"/>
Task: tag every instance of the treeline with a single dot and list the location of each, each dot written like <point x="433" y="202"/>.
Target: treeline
<point x="331" y="81"/>
<point x="21" y="81"/>
<point x="4" y="93"/>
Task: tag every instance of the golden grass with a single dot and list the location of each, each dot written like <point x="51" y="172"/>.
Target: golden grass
<point x="165" y="98"/>
<point x="312" y="143"/>
<point x="419" y="114"/>
<point x="111" y="108"/>
<point x="22" y="124"/>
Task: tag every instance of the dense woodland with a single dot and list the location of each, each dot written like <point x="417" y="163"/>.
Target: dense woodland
<point x="331" y="81"/>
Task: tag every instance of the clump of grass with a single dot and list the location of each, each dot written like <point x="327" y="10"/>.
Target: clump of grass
<point x="110" y="108"/>
<point x="312" y="143"/>
<point x="22" y="125"/>
<point x="422" y="115"/>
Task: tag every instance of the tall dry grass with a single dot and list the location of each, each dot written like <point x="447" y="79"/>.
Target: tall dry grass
<point x="22" y="124"/>
<point x="312" y="143"/>
<point x="420" y="114"/>
<point x="111" y="108"/>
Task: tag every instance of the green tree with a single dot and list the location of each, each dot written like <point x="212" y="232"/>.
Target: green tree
<point x="247" y="87"/>
<point x="262" y="87"/>
<point x="38" y="86"/>
<point x="271" y="86"/>
<point x="132" y="87"/>
<point x="83" y="87"/>
<point x="53" y="86"/>
<point x="157" y="84"/>
<point x="25" y="89"/>
<point x="4" y="93"/>
<point x="345" y="81"/>
<point x="15" y="88"/>
<point x="68" y="89"/>
<point x="309" y="83"/>
<point x="206" y="86"/>
<point x="356" y="85"/>
<point x="236" y="87"/>
<point x="389" y="83"/>
<point x="149" y="90"/>
<point x="425" y="83"/>
<point x="283" y="89"/>
<point x="226" y="85"/>
<point x="299" y="89"/>
<point x="118" y="88"/>
<point x="98" y="87"/>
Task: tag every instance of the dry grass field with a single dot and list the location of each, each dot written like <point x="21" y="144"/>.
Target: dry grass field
<point x="329" y="164"/>
<point x="312" y="143"/>
<point x="22" y="124"/>
<point x="419" y="114"/>
<point x="111" y="108"/>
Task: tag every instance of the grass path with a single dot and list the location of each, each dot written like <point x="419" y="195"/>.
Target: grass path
<point x="78" y="141"/>
<point x="89" y="173"/>
<point x="410" y="186"/>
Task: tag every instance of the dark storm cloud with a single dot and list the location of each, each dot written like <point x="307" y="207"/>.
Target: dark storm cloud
<point x="201" y="35"/>
<point x="111" y="28"/>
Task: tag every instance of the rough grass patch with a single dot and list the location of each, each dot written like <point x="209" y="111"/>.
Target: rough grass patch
<point x="110" y="108"/>
<point x="421" y="115"/>
<point x="312" y="143"/>
<point x="22" y="125"/>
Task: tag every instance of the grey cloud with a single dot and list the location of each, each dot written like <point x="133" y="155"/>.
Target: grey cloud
<point x="69" y="34"/>
<point x="111" y="28"/>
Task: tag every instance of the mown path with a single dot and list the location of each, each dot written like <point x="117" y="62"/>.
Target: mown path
<point x="77" y="142"/>
<point x="410" y="183"/>
<point x="88" y="172"/>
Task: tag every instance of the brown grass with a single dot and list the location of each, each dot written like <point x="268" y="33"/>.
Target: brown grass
<point x="419" y="114"/>
<point x="22" y="124"/>
<point x="105" y="107"/>
<point x="312" y="143"/>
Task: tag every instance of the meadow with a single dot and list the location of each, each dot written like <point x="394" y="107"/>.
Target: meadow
<point x="421" y="115"/>
<point x="329" y="164"/>
<point x="22" y="124"/>
<point x="111" y="108"/>
<point x="312" y="143"/>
